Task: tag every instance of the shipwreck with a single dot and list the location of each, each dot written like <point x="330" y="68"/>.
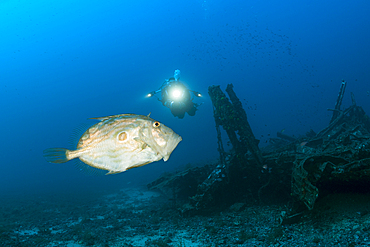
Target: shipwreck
<point x="304" y="168"/>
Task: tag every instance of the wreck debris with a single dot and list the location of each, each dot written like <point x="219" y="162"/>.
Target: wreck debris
<point x="234" y="168"/>
<point x="179" y="186"/>
<point x="338" y="154"/>
<point x="286" y="137"/>
<point x="308" y="172"/>
<point x="339" y="101"/>
<point x="353" y="99"/>
<point x="340" y="118"/>
<point x="232" y="117"/>
<point x="304" y="168"/>
<point x="225" y="115"/>
<point x="243" y="128"/>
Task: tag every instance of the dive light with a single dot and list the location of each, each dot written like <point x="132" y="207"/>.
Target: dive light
<point x="150" y="94"/>
<point x="177" y="93"/>
<point x="197" y="94"/>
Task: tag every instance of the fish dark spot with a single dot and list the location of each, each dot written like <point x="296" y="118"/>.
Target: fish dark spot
<point x="122" y="136"/>
<point x="156" y="124"/>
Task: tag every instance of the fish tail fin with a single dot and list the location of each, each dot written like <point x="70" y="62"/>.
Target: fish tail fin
<point x="56" y="155"/>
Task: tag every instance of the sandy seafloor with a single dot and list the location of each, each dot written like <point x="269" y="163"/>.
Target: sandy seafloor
<point x="138" y="217"/>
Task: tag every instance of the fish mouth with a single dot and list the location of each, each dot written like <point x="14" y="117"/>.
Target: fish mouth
<point x="171" y="145"/>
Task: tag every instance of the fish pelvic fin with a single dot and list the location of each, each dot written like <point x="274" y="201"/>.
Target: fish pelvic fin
<point x="113" y="172"/>
<point x="56" y="155"/>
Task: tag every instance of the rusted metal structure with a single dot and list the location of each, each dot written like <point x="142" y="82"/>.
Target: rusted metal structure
<point x="301" y="168"/>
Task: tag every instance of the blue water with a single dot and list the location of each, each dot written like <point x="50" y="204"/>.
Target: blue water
<point x="62" y="62"/>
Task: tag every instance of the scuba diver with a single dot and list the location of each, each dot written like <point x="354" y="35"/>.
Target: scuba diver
<point x="176" y="96"/>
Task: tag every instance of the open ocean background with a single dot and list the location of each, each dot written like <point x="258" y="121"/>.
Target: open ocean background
<point x="62" y="62"/>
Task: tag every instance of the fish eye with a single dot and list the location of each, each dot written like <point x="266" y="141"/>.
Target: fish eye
<point x="122" y="136"/>
<point x="156" y="124"/>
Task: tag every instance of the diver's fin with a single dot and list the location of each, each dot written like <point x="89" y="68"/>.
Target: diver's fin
<point x="56" y="155"/>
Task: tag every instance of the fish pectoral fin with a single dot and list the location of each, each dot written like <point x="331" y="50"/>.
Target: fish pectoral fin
<point x="142" y="144"/>
<point x="149" y="141"/>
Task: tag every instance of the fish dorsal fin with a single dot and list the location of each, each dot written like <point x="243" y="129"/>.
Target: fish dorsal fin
<point x="149" y="114"/>
<point x="113" y="116"/>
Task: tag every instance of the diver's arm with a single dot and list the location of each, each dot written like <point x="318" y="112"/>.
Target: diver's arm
<point x="153" y="92"/>
<point x="165" y="83"/>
